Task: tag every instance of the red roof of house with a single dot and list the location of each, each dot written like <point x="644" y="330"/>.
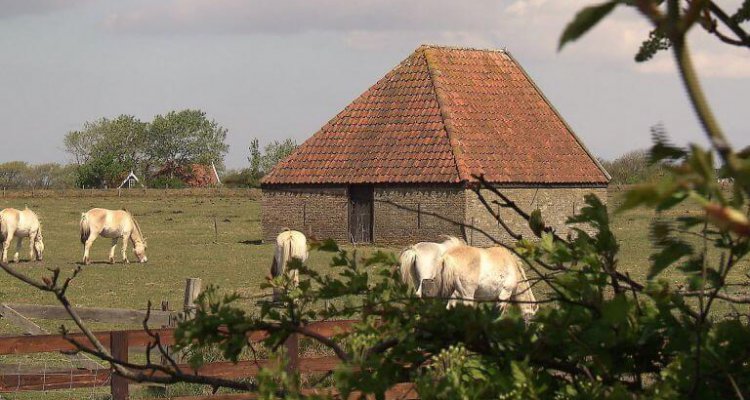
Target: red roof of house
<point x="444" y="115"/>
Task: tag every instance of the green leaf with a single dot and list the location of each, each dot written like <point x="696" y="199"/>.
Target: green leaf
<point x="663" y="149"/>
<point x="536" y="223"/>
<point x="585" y="20"/>
<point x="672" y="251"/>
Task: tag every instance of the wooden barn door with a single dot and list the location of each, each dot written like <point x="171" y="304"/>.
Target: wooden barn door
<point x="360" y="213"/>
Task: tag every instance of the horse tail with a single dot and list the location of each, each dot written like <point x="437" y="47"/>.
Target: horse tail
<point x="523" y="292"/>
<point x="298" y="246"/>
<point x="447" y="276"/>
<point x="407" y="263"/>
<point x="282" y="255"/>
<point x="85" y="228"/>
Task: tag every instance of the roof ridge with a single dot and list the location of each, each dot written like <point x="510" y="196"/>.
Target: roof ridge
<point x="467" y="48"/>
<point x="455" y="145"/>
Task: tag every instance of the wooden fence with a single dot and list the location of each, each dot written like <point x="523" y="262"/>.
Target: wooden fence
<point x="121" y="342"/>
<point x="87" y="372"/>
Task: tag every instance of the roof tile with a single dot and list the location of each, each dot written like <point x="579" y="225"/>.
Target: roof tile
<point x="444" y="115"/>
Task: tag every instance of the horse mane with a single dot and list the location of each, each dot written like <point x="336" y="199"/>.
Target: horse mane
<point x="450" y="239"/>
<point x="137" y="226"/>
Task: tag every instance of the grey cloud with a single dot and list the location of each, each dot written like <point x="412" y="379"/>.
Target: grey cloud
<point x="299" y="16"/>
<point x="13" y="8"/>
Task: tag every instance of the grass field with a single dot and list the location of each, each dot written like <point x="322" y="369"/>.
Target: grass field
<point x="182" y="243"/>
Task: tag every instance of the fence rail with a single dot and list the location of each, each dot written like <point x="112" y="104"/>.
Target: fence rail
<point x="120" y="342"/>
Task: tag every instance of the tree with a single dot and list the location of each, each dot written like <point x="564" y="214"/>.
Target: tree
<point x="13" y="174"/>
<point x="182" y="138"/>
<point x="601" y="333"/>
<point x="255" y="160"/>
<point x="261" y="163"/>
<point x="274" y="152"/>
<point x="106" y="149"/>
<point x="633" y="167"/>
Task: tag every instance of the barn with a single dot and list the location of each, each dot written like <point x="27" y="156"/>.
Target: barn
<point x="399" y="164"/>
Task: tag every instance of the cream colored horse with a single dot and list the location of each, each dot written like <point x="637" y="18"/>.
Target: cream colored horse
<point x="21" y="224"/>
<point x="115" y="225"/>
<point x="289" y="244"/>
<point x="471" y="274"/>
<point x="422" y="260"/>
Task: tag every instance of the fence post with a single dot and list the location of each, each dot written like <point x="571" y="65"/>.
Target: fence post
<point x="118" y="342"/>
<point x="192" y="290"/>
<point x="292" y="354"/>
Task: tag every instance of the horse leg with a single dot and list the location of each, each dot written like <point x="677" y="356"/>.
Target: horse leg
<point x="112" y="251"/>
<point x="6" y="246"/>
<point x="503" y="298"/>
<point x="87" y="247"/>
<point x="125" y="250"/>
<point x="19" y="243"/>
<point x="32" y="252"/>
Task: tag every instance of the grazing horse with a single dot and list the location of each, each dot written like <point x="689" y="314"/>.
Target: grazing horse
<point x="289" y="244"/>
<point x="112" y="224"/>
<point x="494" y="274"/>
<point x="421" y="261"/>
<point x="21" y="224"/>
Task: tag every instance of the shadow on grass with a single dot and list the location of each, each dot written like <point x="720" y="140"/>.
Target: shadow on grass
<point x="256" y="242"/>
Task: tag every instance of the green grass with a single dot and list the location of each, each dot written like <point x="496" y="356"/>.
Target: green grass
<point x="182" y="243"/>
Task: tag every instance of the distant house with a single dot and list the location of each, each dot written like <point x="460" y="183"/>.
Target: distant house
<point x="130" y="181"/>
<point x="399" y="163"/>
<point x="193" y="175"/>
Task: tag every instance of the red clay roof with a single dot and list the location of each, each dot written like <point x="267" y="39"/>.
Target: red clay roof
<point x="444" y="115"/>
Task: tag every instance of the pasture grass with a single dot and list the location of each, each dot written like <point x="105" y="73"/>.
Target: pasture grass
<point x="182" y="243"/>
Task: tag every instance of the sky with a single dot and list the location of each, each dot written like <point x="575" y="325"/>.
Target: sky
<point x="274" y="69"/>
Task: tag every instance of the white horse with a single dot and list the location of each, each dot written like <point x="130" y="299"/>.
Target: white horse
<point x="21" y="224"/>
<point x="112" y="224"/>
<point x="289" y="244"/>
<point x="494" y="274"/>
<point x="422" y="260"/>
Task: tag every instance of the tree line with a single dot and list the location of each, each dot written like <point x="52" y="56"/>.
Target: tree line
<point x="104" y="151"/>
<point x="161" y="153"/>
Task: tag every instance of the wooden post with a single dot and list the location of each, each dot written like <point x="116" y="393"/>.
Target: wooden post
<point x="192" y="290"/>
<point x="216" y="231"/>
<point x="292" y="354"/>
<point x="119" y="349"/>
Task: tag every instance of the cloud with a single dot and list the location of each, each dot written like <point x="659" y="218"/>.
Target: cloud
<point x="13" y="8"/>
<point x="529" y="26"/>
<point x="299" y="16"/>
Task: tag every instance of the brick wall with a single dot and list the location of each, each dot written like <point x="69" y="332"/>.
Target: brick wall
<point x="556" y="204"/>
<point x="317" y="211"/>
<point x="402" y="214"/>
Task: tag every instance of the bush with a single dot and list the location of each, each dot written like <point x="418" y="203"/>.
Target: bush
<point x="633" y="167"/>
<point x="165" y="182"/>
<point x="240" y="178"/>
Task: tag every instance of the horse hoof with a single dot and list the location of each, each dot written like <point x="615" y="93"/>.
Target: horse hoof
<point x="111" y="260"/>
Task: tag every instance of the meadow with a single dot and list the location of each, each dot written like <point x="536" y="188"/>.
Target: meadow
<point x="212" y="235"/>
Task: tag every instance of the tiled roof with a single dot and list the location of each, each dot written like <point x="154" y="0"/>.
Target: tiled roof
<point x="444" y="115"/>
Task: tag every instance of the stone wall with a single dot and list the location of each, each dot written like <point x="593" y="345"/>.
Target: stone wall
<point x="408" y="214"/>
<point x="556" y="204"/>
<point x="318" y="211"/>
